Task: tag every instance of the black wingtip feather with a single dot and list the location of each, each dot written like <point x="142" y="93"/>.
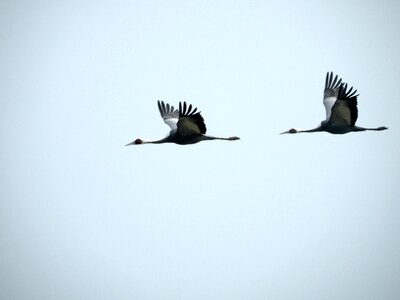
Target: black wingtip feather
<point x="186" y="110"/>
<point x="345" y="94"/>
<point x="326" y="79"/>
<point x="191" y="112"/>
<point x="165" y="108"/>
<point x="160" y="107"/>
<point x="332" y="82"/>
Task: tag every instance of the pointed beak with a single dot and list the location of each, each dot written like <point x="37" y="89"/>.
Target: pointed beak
<point x="284" y="132"/>
<point x="132" y="143"/>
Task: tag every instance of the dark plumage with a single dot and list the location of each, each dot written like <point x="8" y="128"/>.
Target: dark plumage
<point x="341" y="109"/>
<point x="187" y="126"/>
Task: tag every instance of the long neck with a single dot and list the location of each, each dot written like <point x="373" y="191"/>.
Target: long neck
<point x="168" y="139"/>
<point x="310" y="130"/>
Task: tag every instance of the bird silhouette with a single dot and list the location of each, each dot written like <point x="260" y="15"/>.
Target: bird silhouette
<point x="341" y="109"/>
<point x="187" y="126"/>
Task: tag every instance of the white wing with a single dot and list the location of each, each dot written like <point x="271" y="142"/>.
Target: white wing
<point x="169" y="114"/>
<point x="331" y="92"/>
<point x="329" y="102"/>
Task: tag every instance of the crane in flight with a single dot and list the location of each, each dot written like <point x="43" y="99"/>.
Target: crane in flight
<point x="341" y="109"/>
<point x="187" y="126"/>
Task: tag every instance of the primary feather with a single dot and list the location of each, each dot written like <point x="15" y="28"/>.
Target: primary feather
<point x="331" y="92"/>
<point x="190" y="121"/>
<point x="169" y="114"/>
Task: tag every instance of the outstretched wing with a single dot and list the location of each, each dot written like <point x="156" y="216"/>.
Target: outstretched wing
<point x="331" y="92"/>
<point x="190" y="122"/>
<point x="344" y="111"/>
<point x="169" y="114"/>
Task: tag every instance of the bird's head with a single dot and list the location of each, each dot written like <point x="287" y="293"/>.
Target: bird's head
<point x="293" y="130"/>
<point x="136" y="142"/>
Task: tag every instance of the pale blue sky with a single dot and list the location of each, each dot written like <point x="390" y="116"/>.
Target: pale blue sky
<point x="267" y="217"/>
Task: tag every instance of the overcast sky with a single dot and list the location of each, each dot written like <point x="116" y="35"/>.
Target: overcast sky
<point x="307" y="216"/>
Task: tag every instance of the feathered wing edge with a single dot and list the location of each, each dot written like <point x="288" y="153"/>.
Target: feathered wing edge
<point x="192" y="114"/>
<point x="331" y="90"/>
<point x="350" y="97"/>
<point x="169" y="114"/>
<point x="332" y="83"/>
